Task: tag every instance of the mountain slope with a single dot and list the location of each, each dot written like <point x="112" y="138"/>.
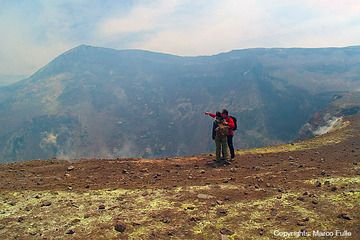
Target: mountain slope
<point x="97" y="102"/>
<point x="329" y="118"/>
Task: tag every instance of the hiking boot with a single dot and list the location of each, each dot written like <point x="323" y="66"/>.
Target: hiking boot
<point x="223" y="162"/>
<point x="227" y="162"/>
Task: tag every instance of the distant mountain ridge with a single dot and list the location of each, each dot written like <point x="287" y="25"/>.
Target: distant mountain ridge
<point x="7" y="79"/>
<point x="100" y="102"/>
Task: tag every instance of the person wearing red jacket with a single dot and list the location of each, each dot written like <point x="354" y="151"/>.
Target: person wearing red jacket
<point x="230" y="122"/>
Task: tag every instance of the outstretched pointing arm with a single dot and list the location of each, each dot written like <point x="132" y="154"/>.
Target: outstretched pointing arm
<point x="210" y="114"/>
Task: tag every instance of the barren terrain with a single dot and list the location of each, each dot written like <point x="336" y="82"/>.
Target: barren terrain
<point x="304" y="186"/>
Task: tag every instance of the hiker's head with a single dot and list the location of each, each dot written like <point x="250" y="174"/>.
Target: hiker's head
<point x="219" y="116"/>
<point x="224" y="113"/>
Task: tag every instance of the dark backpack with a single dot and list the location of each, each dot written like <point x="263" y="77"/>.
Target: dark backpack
<point x="235" y="122"/>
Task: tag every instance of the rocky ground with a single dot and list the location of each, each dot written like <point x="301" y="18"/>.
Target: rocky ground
<point x="310" y="187"/>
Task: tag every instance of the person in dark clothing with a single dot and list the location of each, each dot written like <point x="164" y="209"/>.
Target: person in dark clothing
<point x="219" y="134"/>
<point x="230" y="135"/>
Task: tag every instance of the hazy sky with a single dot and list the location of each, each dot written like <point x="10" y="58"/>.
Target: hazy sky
<point x="33" y="32"/>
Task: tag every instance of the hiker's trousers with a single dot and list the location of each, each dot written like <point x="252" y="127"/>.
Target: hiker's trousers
<point x="231" y="145"/>
<point x="221" y="147"/>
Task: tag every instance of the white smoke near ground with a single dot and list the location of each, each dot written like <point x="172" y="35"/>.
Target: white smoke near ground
<point x="49" y="144"/>
<point x="68" y="157"/>
<point x="331" y="124"/>
<point x="125" y="150"/>
<point x="63" y="146"/>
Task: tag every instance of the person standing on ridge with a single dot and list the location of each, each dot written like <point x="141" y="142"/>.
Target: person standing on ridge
<point x="219" y="134"/>
<point x="232" y="126"/>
